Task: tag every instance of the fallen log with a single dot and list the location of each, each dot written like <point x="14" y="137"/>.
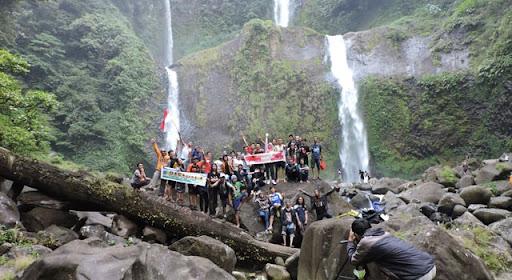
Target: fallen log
<point x="86" y="189"/>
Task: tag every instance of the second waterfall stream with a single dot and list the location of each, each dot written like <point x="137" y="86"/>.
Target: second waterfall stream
<point x="354" y="144"/>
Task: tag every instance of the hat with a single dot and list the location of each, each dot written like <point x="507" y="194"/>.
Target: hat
<point x="162" y="149"/>
<point x="234" y="177"/>
<point x="194" y="157"/>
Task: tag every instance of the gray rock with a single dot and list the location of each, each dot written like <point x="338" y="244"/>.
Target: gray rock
<point x="489" y="216"/>
<point x="238" y="275"/>
<point x="467" y="219"/>
<point x="122" y="226"/>
<point x="383" y="185"/>
<point x="501" y="202"/>
<point x="411" y="210"/>
<point x="473" y="207"/>
<point x="151" y="234"/>
<point x="92" y="231"/>
<point x="465" y="181"/>
<point x="507" y="193"/>
<point x="426" y="192"/>
<point x="37" y="199"/>
<point x="9" y="214"/>
<point x="207" y="247"/>
<point x="60" y="234"/>
<point x="447" y="182"/>
<point x="458" y="210"/>
<point x="40" y="218"/>
<point x="504" y="229"/>
<point x="17" y="252"/>
<point x="361" y="201"/>
<point x="279" y="261"/>
<point x="276" y="272"/>
<point x="5" y="248"/>
<point x="292" y="265"/>
<point x="503" y="187"/>
<point x="476" y="195"/>
<point x="448" y="201"/>
<point x="392" y="202"/>
<point x="430" y="175"/>
<point x="486" y="174"/>
<point x="89" y="259"/>
<point x="94" y="218"/>
<point x="427" y="208"/>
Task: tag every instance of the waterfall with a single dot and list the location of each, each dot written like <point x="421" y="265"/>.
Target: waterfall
<point x="282" y="12"/>
<point x="172" y="87"/>
<point x="354" y="146"/>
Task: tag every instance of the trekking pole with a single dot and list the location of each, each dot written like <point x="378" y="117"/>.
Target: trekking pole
<point x="338" y="276"/>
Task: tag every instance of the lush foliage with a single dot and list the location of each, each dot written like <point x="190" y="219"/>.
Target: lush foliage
<point x="88" y="55"/>
<point x="213" y="23"/>
<point x="23" y="113"/>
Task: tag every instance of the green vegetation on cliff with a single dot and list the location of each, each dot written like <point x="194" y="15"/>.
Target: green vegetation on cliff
<point x="88" y="55"/>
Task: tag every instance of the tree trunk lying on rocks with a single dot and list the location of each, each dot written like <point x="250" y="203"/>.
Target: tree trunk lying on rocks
<point x="86" y="189"/>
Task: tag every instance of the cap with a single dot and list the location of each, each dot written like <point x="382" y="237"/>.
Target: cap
<point x="234" y="177"/>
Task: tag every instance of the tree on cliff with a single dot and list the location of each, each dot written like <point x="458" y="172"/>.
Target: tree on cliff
<point x="23" y="114"/>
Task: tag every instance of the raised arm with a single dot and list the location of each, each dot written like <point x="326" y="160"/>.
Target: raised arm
<point x="243" y="138"/>
<point x="331" y="191"/>
<point x="181" y="139"/>
<point x="305" y="193"/>
<point x="155" y="146"/>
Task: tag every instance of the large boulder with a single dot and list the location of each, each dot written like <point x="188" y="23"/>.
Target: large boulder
<point x="276" y="272"/>
<point x="465" y="181"/>
<point x="447" y="176"/>
<point x="391" y="201"/>
<point x="448" y="201"/>
<point x="361" y="201"/>
<point x="476" y="195"/>
<point x="458" y="210"/>
<point x="430" y="175"/>
<point x="426" y="192"/>
<point x="32" y="199"/>
<point x="207" y="247"/>
<point x="122" y="226"/>
<point x="151" y="234"/>
<point x="94" y="218"/>
<point x="292" y="265"/>
<point x="453" y="260"/>
<point x="473" y="207"/>
<point x="92" y="259"/>
<point x="467" y="219"/>
<point x="489" y="216"/>
<point x="487" y="174"/>
<point x="61" y="235"/>
<point x="9" y="214"/>
<point x="40" y="218"/>
<point x="383" y="185"/>
<point x="504" y="229"/>
<point x="501" y="202"/>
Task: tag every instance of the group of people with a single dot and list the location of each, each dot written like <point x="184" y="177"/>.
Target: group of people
<point x="364" y="177"/>
<point x="230" y="179"/>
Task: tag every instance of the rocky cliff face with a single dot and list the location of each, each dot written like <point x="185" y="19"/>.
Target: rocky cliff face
<point x="267" y="79"/>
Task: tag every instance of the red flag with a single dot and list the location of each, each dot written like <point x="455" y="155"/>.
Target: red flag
<point x="162" y="125"/>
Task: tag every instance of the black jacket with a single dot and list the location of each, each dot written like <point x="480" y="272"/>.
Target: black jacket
<point x="395" y="258"/>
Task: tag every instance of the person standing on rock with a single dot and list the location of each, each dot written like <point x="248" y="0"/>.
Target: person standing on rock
<point x="276" y="200"/>
<point x="163" y="158"/>
<point x="316" y="157"/>
<point x="203" y="194"/>
<point x="170" y="184"/>
<point x="395" y="258"/>
<point x="281" y="148"/>
<point x="302" y="214"/>
<point x="193" y="190"/>
<point x="224" y="189"/>
<point x="319" y="202"/>
<point x="139" y="178"/>
<point x="213" y="177"/>
<point x="239" y="196"/>
<point x="180" y="187"/>
<point x="186" y="150"/>
<point x="288" y="221"/>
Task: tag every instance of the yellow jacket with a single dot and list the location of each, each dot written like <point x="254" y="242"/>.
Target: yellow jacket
<point x="162" y="160"/>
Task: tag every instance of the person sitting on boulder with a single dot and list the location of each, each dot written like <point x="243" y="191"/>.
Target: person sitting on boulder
<point x="319" y="202"/>
<point x="238" y="197"/>
<point x="395" y="258"/>
<point x="465" y="167"/>
<point x="139" y="178"/>
<point x="258" y="179"/>
<point x="276" y="199"/>
<point x="264" y="204"/>
<point x="288" y="221"/>
<point x="292" y="171"/>
<point x="503" y="158"/>
<point x="303" y="171"/>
